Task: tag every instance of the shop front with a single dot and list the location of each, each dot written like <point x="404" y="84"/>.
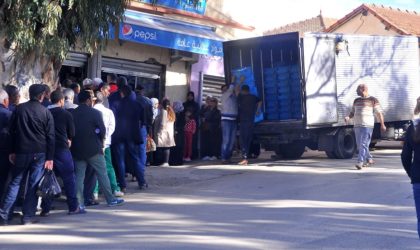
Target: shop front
<point x="154" y="50"/>
<point x="75" y="67"/>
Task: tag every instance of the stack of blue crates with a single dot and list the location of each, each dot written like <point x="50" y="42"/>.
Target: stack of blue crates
<point x="248" y="76"/>
<point x="282" y="93"/>
<point x="296" y="92"/>
<point x="272" y="104"/>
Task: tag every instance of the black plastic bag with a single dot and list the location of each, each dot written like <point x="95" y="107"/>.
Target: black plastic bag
<point x="48" y="186"/>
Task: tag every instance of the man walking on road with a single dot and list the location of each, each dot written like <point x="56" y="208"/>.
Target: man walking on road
<point x="87" y="147"/>
<point x="363" y="113"/>
<point x="32" y="140"/>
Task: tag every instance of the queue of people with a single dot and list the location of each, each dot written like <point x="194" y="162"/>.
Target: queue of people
<point x="70" y="131"/>
<point x="93" y="135"/>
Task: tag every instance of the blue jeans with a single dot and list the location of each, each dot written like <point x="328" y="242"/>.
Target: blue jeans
<point x="33" y="164"/>
<point x="143" y="153"/>
<point x="97" y="162"/>
<point x="416" y="192"/>
<point x="363" y="138"/>
<point x="228" y="140"/>
<point x="4" y="173"/>
<point x="64" y="167"/>
<point x="133" y="153"/>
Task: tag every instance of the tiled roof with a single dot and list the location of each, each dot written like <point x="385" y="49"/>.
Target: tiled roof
<point x="316" y="24"/>
<point x="404" y="22"/>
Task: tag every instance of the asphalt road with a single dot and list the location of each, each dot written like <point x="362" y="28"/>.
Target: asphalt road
<point x="312" y="203"/>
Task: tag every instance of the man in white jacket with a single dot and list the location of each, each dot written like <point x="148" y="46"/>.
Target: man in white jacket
<point x="109" y="121"/>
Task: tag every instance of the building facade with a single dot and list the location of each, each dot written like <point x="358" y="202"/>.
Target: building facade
<point x="168" y="46"/>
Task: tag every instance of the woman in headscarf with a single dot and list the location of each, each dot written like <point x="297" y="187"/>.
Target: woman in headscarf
<point x="164" y="132"/>
<point x="192" y="106"/>
<point x="155" y="105"/>
<point x="177" y="152"/>
<point x="210" y="130"/>
<point x="151" y="156"/>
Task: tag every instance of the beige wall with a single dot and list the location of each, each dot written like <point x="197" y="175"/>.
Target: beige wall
<point x="369" y="25"/>
<point x="177" y="74"/>
<point x="135" y="51"/>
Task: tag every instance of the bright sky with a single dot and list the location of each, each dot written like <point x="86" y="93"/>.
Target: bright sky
<point x="267" y="14"/>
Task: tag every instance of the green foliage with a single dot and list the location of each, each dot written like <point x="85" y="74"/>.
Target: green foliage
<point x="52" y="27"/>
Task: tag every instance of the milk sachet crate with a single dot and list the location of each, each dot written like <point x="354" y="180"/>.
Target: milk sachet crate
<point x="245" y="76"/>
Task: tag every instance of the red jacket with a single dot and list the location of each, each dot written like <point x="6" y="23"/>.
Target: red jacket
<point x="113" y="87"/>
<point x="190" y="127"/>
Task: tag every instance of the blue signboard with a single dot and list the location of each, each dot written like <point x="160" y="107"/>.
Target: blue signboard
<point x="195" y="6"/>
<point x="171" y="40"/>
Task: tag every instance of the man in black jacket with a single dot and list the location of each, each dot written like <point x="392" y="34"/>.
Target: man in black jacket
<point x="63" y="161"/>
<point x="87" y="148"/>
<point x="146" y="128"/>
<point x="5" y="115"/>
<point x="32" y="150"/>
<point x="127" y="137"/>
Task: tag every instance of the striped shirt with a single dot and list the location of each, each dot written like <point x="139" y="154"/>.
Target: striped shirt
<point x="364" y="110"/>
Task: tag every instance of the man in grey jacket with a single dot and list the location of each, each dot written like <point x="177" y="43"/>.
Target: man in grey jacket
<point x="229" y="123"/>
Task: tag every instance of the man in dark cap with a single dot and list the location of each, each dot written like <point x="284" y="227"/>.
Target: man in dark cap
<point x="32" y="139"/>
<point x="87" y="148"/>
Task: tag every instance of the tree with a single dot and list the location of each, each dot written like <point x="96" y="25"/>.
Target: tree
<point x="36" y="35"/>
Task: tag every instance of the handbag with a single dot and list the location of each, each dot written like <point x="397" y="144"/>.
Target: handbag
<point x="48" y="186"/>
<point x="151" y="145"/>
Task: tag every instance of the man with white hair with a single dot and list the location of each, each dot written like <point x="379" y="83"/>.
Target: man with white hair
<point x="109" y="122"/>
<point x="5" y="115"/>
<point x="69" y="99"/>
<point x="97" y="82"/>
<point x="88" y="84"/>
<point x="363" y="112"/>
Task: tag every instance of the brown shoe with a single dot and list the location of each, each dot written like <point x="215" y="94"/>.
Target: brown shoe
<point x="243" y="162"/>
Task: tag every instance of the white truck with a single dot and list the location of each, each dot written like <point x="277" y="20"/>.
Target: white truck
<point x="308" y="85"/>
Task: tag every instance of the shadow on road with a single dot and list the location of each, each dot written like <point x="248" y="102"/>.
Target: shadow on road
<point x="313" y="203"/>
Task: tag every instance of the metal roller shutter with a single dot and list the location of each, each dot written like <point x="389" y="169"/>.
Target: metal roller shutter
<point x="212" y="85"/>
<point x="75" y="59"/>
<point x="132" y="68"/>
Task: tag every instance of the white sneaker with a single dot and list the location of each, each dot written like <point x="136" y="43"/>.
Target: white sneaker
<point x="164" y="165"/>
<point x="213" y="158"/>
<point x="187" y="159"/>
<point x="118" y="194"/>
<point x="95" y="196"/>
<point x="206" y="158"/>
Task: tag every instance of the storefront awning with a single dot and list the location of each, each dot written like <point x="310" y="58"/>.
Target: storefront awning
<point x="169" y="33"/>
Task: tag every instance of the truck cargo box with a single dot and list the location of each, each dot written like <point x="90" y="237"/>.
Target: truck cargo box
<point x="311" y="81"/>
<point x="336" y="64"/>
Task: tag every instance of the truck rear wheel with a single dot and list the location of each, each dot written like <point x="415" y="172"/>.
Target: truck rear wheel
<point x="331" y="154"/>
<point x="291" y="151"/>
<point x="345" y="143"/>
